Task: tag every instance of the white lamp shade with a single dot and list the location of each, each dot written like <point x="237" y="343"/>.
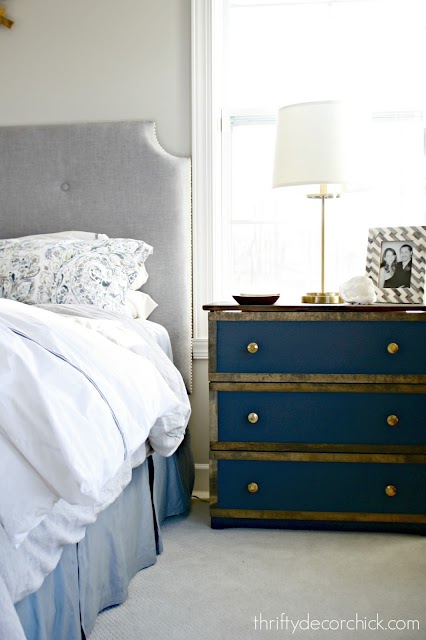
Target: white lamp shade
<point x="321" y="143"/>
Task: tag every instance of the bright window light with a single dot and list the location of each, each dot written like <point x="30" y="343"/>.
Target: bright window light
<point x="279" y="53"/>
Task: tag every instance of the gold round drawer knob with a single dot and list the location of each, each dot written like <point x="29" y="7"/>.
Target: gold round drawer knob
<point x="392" y="348"/>
<point x="252" y="347"/>
<point x="253" y="487"/>
<point x="253" y="418"/>
<point x="392" y="420"/>
<point x="390" y="490"/>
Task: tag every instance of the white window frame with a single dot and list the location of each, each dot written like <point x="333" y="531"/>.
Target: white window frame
<point x="206" y="46"/>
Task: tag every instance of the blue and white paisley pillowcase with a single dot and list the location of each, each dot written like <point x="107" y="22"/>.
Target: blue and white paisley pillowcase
<point x="98" y="272"/>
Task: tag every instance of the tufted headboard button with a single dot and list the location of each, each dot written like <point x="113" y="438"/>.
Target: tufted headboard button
<point x="65" y="186"/>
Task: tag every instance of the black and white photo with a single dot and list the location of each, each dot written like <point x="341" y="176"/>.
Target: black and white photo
<point x="395" y="265"/>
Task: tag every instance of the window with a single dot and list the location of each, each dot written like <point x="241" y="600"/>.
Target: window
<point x="264" y="55"/>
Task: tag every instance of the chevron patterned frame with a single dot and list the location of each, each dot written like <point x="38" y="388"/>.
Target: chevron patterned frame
<point x="381" y="238"/>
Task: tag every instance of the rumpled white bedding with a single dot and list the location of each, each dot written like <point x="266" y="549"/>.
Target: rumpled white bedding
<point x="159" y="334"/>
<point x="82" y="393"/>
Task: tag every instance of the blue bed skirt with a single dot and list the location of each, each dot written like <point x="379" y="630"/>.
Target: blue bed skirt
<point x="94" y="574"/>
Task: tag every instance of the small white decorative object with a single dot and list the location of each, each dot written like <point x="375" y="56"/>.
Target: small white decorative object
<point x="358" y="290"/>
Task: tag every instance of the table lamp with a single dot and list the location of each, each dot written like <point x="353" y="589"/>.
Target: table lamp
<point x="320" y="143"/>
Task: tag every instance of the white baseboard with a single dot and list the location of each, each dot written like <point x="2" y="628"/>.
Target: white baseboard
<point x="201" y="485"/>
<point x="200" y="349"/>
<point x="201" y="495"/>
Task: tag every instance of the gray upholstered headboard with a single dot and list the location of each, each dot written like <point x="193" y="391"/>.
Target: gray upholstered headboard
<point x="111" y="178"/>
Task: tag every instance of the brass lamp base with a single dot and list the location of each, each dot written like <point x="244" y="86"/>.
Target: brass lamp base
<point x="322" y="298"/>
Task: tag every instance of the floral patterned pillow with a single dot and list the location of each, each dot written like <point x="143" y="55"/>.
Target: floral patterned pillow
<point x="98" y="272"/>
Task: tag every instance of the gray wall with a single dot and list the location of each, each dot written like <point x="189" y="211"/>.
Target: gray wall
<point x="73" y="61"/>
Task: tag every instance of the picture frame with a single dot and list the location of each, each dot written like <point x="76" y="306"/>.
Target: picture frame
<point x="396" y="260"/>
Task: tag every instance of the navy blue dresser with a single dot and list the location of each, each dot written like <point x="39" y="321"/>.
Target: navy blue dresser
<point x="318" y="416"/>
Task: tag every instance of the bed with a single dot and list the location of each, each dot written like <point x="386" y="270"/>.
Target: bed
<point x="114" y="184"/>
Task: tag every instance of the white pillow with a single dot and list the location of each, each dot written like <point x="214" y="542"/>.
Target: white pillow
<point x="139" y="304"/>
<point x="88" y="235"/>
<point x="141" y="278"/>
<point x="78" y="235"/>
<point x="66" y="271"/>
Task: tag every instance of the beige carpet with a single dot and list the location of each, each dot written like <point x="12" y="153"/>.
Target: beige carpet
<point x="214" y="585"/>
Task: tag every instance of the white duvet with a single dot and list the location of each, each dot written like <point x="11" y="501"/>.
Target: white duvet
<point x="79" y="399"/>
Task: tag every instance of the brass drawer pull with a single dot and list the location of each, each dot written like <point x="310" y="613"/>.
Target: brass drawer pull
<point x="392" y="420"/>
<point x="253" y="487"/>
<point x="393" y="348"/>
<point x="252" y="347"/>
<point x="253" y="418"/>
<point x="390" y="490"/>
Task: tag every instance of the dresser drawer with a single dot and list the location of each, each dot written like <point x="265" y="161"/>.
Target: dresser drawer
<point x="321" y="417"/>
<point x="321" y="347"/>
<point x="321" y="486"/>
